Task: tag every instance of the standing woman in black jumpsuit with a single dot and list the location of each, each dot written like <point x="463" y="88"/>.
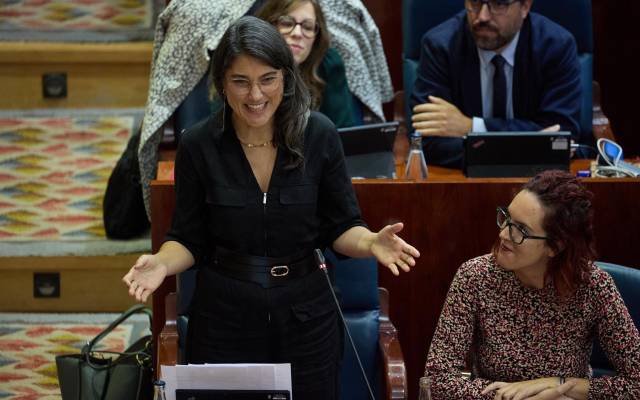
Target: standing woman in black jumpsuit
<point x="258" y="188"/>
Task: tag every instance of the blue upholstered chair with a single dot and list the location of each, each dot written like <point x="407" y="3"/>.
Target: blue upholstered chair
<point x="628" y="282"/>
<point x="418" y="16"/>
<point x="365" y="307"/>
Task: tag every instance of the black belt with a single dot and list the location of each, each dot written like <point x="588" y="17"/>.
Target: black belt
<point x="266" y="271"/>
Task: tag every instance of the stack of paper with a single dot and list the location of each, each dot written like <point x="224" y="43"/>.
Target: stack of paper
<point x="226" y="377"/>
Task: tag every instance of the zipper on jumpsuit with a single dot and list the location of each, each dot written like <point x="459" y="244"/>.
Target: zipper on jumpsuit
<point x="264" y="224"/>
<point x="264" y="220"/>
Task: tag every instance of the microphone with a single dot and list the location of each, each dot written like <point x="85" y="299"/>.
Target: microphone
<point x="323" y="266"/>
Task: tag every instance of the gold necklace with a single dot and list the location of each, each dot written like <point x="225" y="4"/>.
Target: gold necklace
<point x="251" y="145"/>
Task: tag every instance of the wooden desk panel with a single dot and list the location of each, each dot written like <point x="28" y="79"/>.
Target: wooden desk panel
<point x="162" y="204"/>
<point x="450" y="219"/>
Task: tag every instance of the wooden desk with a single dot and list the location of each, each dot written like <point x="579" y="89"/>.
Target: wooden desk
<point x="450" y="219"/>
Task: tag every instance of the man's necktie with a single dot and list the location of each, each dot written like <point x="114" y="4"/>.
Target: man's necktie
<point x="499" y="88"/>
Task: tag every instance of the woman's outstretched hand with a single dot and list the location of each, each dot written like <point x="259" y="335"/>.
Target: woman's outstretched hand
<point x="392" y="251"/>
<point x="145" y="277"/>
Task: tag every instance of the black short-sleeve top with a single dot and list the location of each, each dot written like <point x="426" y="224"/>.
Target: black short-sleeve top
<point x="219" y="201"/>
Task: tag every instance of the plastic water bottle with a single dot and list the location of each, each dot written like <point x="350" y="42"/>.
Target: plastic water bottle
<point x="158" y="391"/>
<point x="601" y="126"/>
<point x="416" y="168"/>
<point x="425" y="388"/>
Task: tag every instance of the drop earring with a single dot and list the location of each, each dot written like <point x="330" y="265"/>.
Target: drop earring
<point x="224" y="111"/>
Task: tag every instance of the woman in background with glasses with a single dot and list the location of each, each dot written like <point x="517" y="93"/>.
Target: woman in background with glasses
<point x="528" y="312"/>
<point x="304" y="28"/>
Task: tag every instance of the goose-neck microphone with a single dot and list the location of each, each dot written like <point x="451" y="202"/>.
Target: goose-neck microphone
<point x="323" y="266"/>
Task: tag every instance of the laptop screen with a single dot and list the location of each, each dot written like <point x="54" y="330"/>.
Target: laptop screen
<point x="368" y="149"/>
<point x="515" y="154"/>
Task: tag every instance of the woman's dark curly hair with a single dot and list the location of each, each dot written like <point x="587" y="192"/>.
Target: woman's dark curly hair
<point x="568" y="223"/>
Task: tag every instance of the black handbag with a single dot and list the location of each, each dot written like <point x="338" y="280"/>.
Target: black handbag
<point x="123" y="209"/>
<point x="106" y="375"/>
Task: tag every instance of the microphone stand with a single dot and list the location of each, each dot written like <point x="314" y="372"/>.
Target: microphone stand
<point x="323" y="266"/>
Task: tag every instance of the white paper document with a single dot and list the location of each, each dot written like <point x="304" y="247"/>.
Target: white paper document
<point x="226" y="377"/>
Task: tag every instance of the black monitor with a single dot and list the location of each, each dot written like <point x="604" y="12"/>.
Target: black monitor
<point x="515" y="154"/>
<point x="229" y="394"/>
<point x="368" y="149"/>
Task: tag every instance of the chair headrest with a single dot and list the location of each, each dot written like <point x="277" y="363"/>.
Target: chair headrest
<point x="572" y="15"/>
<point x="418" y="16"/>
<point x="357" y="279"/>
<point x="627" y="281"/>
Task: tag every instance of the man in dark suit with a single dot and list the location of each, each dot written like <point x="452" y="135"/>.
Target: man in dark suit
<point x="457" y="89"/>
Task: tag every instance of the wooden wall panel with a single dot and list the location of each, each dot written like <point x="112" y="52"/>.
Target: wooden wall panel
<point x="617" y="43"/>
<point x="98" y="76"/>
<point x="87" y="284"/>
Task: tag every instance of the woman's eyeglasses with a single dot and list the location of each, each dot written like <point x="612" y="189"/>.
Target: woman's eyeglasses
<point x="517" y="233"/>
<point x="286" y="24"/>
<point x="242" y="86"/>
<point x="496" y="7"/>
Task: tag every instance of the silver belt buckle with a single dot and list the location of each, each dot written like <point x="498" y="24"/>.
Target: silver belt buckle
<point x="279" y="270"/>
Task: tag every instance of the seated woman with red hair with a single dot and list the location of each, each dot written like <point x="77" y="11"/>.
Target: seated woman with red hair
<point x="529" y="311"/>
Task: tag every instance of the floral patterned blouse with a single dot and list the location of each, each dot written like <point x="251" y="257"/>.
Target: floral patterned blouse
<point x="520" y="333"/>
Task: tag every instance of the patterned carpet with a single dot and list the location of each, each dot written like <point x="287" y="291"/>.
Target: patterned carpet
<point x="54" y="170"/>
<point x="78" y="20"/>
<point x="30" y="342"/>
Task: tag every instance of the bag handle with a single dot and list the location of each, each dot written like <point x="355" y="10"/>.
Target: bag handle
<point x="135" y="309"/>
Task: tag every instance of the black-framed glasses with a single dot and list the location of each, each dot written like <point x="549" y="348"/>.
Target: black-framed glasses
<point x="286" y="24"/>
<point x="496" y="7"/>
<point x="517" y="233"/>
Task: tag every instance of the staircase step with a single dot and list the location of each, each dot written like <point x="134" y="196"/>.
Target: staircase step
<point x="99" y="75"/>
<point x="87" y="284"/>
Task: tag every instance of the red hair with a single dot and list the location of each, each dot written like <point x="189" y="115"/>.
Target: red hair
<point x="568" y="223"/>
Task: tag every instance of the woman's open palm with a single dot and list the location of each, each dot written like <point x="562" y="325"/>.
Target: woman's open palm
<point x="392" y="251"/>
<point x="145" y="277"/>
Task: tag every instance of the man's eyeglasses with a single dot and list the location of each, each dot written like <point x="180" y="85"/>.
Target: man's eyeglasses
<point x="286" y="24"/>
<point x="496" y="7"/>
<point x="517" y="233"/>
